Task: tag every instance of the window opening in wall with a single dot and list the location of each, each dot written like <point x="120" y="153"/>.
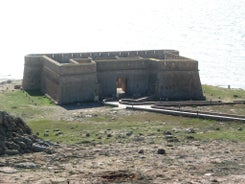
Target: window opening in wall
<point x="121" y="84"/>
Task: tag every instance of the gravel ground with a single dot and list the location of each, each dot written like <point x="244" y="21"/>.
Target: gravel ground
<point x="136" y="162"/>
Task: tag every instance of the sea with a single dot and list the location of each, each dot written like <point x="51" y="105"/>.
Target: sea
<point x="211" y="32"/>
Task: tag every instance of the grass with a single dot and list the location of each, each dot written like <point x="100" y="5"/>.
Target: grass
<point x="21" y="103"/>
<point x="94" y="131"/>
<point x="106" y="128"/>
<point x="224" y="94"/>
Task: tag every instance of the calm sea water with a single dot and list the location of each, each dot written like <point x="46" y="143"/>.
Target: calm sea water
<point x="212" y="32"/>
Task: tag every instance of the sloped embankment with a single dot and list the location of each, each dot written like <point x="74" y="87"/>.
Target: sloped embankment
<point x="17" y="138"/>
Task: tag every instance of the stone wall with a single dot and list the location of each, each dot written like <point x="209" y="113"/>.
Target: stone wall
<point x="65" y="57"/>
<point x="50" y="79"/>
<point x="179" y="85"/>
<point x="78" y="83"/>
<point x="74" y="77"/>
<point x="122" y="64"/>
<point x="32" y="73"/>
<point x="137" y="82"/>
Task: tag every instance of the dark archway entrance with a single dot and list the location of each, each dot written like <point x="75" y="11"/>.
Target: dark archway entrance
<point x="121" y="84"/>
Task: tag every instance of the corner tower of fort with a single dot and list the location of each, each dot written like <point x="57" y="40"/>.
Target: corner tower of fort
<point x="79" y="77"/>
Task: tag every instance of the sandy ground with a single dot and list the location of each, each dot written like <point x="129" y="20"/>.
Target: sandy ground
<point x="136" y="162"/>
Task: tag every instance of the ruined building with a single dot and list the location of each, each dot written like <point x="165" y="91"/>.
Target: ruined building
<point x="79" y="77"/>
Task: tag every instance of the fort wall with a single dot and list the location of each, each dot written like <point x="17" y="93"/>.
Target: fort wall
<point x="179" y="85"/>
<point x="75" y="77"/>
<point x="121" y="64"/>
<point x="71" y="69"/>
<point x="32" y="73"/>
<point x="50" y="78"/>
<point x="137" y="82"/>
<point x="78" y="88"/>
<point x="176" y="65"/>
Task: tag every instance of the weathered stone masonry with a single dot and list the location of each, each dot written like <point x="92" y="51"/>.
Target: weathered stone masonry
<point x="78" y="77"/>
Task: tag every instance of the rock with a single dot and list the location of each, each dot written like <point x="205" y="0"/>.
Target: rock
<point x="17" y="86"/>
<point x="12" y="145"/>
<point x="27" y="165"/>
<point x="191" y="131"/>
<point x="2" y="149"/>
<point x="138" y="139"/>
<point x="11" y="152"/>
<point x="8" y="170"/>
<point x="240" y="129"/>
<point x="45" y="134"/>
<point x="129" y="133"/>
<point x="58" y="133"/>
<point x="214" y="180"/>
<point x="141" y="151"/>
<point x="109" y="135"/>
<point x="57" y="180"/>
<point x="161" y="151"/>
<point x="190" y="137"/>
<point x="26" y="140"/>
<point x="22" y="145"/>
<point x="16" y="137"/>
<point x="171" y="138"/>
<point x="167" y="132"/>
<point x="38" y="148"/>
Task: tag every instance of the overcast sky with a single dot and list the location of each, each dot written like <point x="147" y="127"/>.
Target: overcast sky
<point x="65" y="25"/>
<point x="209" y="31"/>
<point x="40" y="26"/>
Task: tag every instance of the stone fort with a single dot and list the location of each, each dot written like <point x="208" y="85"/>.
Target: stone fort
<point x="79" y="77"/>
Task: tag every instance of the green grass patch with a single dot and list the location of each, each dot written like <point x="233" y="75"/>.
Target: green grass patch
<point x="224" y="94"/>
<point x="114" y="127"/>
<point x="228" y="135"/>
<point x="108" y="130"/>
<point x="21" y="103"/>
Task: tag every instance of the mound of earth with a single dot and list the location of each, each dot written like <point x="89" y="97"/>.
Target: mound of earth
<point x="17" y="138"/>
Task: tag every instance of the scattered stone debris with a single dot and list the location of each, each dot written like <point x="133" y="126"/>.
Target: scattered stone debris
<point x="27" y="165"/>
<point x="118" y="176"/>
<point x="17" y="138"/>
<point x="17" y="86"/>
<point x="109" y="135"/>
<point x="171" y="138"/>
<point x="141" y="151"/>
<point x="191" y="131"/>
<point x="129" y="133"/>
<point x="240" y="129"/>
<point x="190" y="137"/>
<point x="161" y="151"/>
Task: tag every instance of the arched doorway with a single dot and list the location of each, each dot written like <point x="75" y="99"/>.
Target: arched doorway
<point x="121" y="84"/>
